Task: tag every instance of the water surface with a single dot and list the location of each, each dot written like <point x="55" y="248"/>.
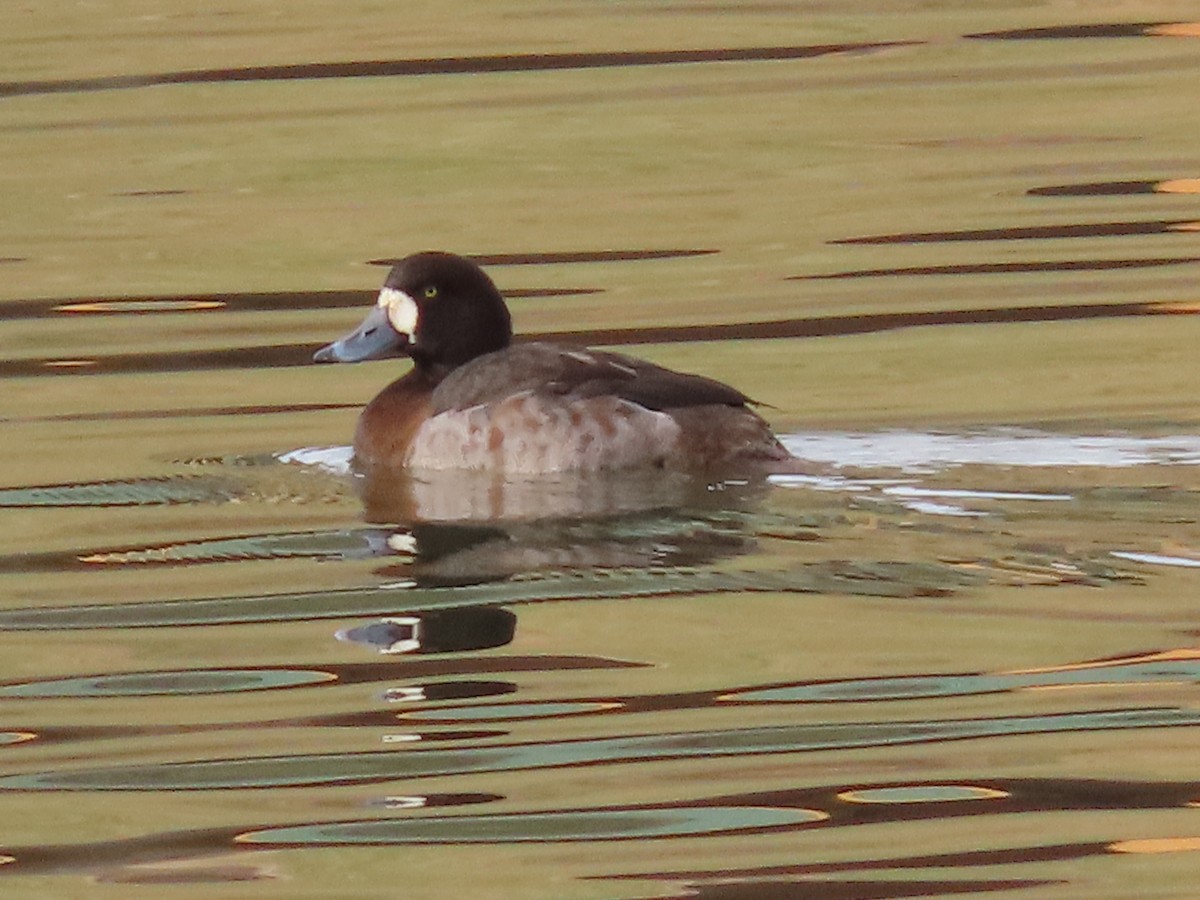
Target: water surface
<point x="952" y="250"/>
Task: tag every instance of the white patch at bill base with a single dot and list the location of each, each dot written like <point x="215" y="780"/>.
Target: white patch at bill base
<point x="401" y="310"/>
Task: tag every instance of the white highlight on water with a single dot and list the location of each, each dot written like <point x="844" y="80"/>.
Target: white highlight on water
<point x="922" y="452"/>
<point x="913" y="453"/>
<point x="1158" y="559"/>
<point x="334" y="460"/>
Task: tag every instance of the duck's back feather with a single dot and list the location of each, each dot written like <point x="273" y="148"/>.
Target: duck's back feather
<point x="572" y="373"/>
<point x="544" y="408"/>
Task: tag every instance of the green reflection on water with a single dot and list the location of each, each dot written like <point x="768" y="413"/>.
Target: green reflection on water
<point x="345" y="768"/>
<point x="145" y="684"/>
<point x="880" y="579"/>
<point x="588" y="825"/>
<point x="911" y="687"/>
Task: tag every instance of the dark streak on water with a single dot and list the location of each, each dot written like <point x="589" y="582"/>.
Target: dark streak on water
<point x="284" y="355"/>
<point x="175" y="304"/>
<point x="567" y="256"/>
<point x="851" y="890"/>
<point x="453" y="65"/>
<point x="172" y="192"/>
<point x="181" y="413"/>
<point x="382" y="718"/>
<point x="1094" y="189"/>
<point x="210" y="303"/>
<point x="57" y="735"/>
<point x="1067" y="265"/>
<point x="1035" y="232"/>
<point x="1064" y="32"/>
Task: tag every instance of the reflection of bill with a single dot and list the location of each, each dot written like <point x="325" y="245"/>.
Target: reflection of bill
<point x="441" y="631"/>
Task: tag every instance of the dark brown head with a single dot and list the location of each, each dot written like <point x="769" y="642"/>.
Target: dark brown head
<point x="437" y="308"/>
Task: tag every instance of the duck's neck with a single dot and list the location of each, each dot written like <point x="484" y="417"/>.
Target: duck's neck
<point x="429" y="372"/>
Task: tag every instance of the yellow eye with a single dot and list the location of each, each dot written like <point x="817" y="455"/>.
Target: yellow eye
<point x="431" y="292"/>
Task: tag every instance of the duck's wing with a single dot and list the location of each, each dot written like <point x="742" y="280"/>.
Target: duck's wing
<point x="570" y="372"/>
<point x="657" y="388"/>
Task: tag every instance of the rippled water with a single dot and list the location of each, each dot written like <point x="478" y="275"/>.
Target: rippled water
<point x="952" y="249"/>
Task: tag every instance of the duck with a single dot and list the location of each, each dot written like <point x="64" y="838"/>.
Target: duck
<point x="476" y="400"/>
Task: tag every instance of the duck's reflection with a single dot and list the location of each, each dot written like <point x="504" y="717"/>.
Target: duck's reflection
<point x="439" y="631"/>
<point x="451" y="529"/>
<point x="468" y="527"/>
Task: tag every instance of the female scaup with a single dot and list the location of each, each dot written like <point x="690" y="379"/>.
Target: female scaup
<point x="474" y="400"/>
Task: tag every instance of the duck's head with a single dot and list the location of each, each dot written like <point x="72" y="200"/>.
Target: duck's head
<point x="437" y="308"/>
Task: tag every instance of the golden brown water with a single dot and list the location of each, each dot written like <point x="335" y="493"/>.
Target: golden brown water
<point x="955" y="249"/>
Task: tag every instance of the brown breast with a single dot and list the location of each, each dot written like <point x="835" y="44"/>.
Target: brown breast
<point x="389" y="422"/>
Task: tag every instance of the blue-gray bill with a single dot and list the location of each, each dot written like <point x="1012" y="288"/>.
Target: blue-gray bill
<point x="375" y="338"/>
